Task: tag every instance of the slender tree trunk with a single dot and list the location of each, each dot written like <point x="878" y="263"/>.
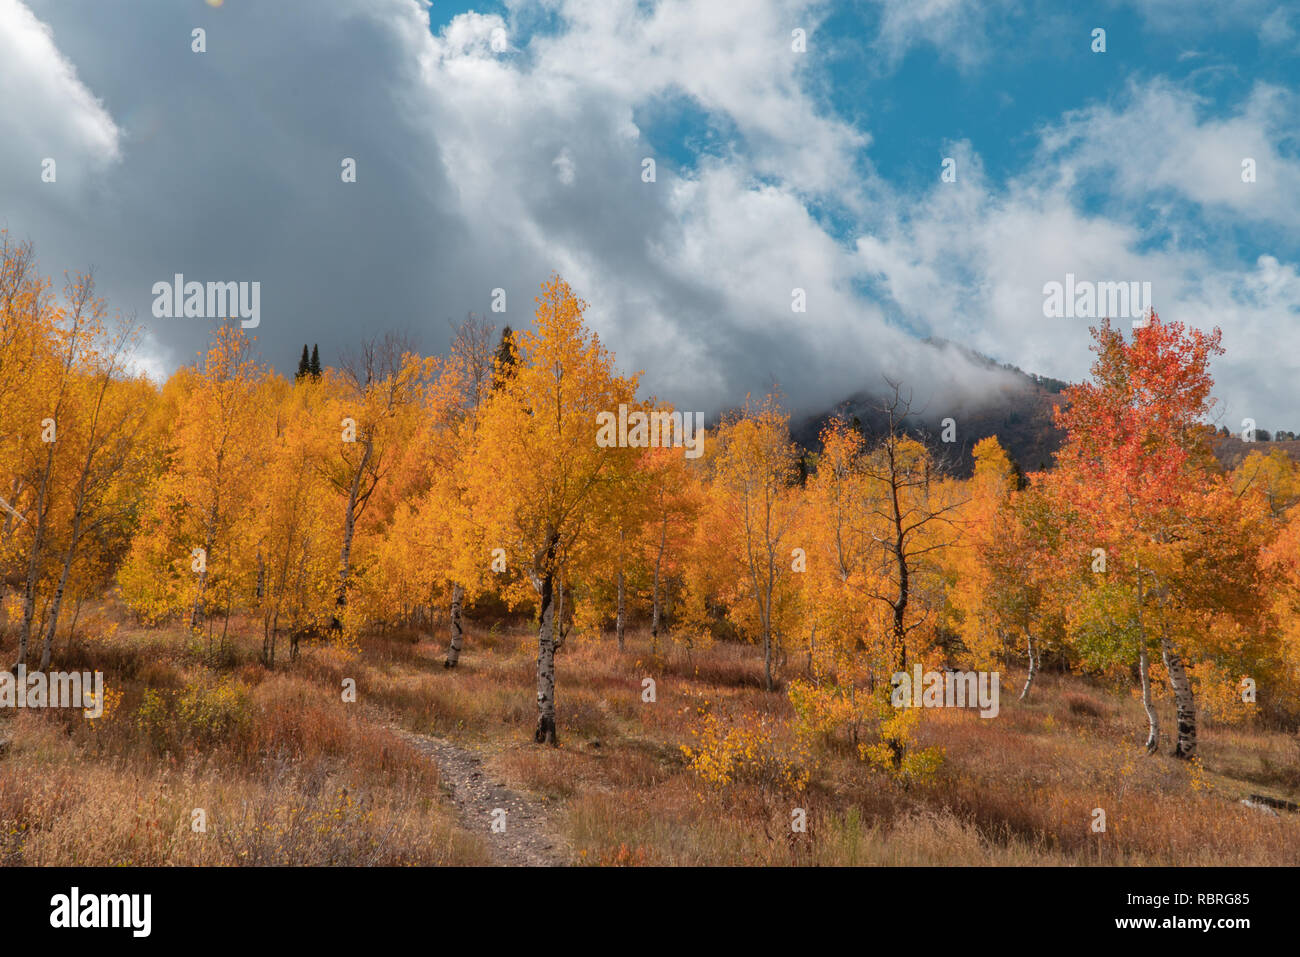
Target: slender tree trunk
<point x="78" y="513"/>
<point x="1153" y="720"/>
<point x="225" y="625"/>
<point x="1144" y="673"/>
<point x="1033" y="667"/>
<point x="38" y="538"/>
<point x="559" y="633"/>
<point x="268" y="639"/>
<point x="10" y="512"/>
<point x="899" y="605"/>
<point x="655" y="597"/>
<point x="199" y="611"/>
<point x="457" y="632"/>
<point x="545" y="733"/>
<point x="1184" y="700"/>
<point x="349" y="529"/>
<point x="69" y="555"/>
<point x="72" y="626"/>
<point x="767" y="643"/>
<point x="620" y="619"/>
<point x="47" y="647"/>
<point x="33" y="562"/>
<point x="899" y="548"/>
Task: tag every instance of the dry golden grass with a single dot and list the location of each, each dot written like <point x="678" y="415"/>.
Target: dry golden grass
<point x="294" y="778"/>
<point x="290" y="774"/>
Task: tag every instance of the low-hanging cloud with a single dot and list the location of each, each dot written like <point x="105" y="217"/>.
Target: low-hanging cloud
<point x="488" y="156"/>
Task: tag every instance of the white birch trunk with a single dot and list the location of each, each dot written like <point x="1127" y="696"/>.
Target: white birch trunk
<point x="457" y="631"/>
<point x="1033" y="667"/>
<point x="545" y="580"/>
<point x="1184" y="700"/>
<point x="1153" y="721"/>
<point x="545" y="733"/>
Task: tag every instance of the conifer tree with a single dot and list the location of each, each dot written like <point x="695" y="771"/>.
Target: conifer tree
<point x="506" y="357"/>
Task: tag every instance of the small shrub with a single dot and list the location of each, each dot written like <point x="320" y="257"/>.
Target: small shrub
<point x="215" y="713"/>
<point x="203" y="714"/>
<point x="743" y="749"/>
<point x="1083" y="706"/>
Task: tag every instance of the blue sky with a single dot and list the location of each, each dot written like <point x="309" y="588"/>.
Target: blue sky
<point x="1029" y="70"/>
<point x="777" y="171"/>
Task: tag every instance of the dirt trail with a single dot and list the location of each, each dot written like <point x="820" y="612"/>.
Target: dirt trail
<point x="528" y="839"/>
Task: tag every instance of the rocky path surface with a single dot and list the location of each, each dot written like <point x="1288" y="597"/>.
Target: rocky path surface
<point x="528" y="839"/>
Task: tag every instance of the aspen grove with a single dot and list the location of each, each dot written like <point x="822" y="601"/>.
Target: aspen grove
<point x="394" y="490"/>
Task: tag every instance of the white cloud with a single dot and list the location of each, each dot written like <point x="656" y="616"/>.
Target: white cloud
<point x="1276" y="30"/>
<point x="957" y="29"/>
<point x="970" y="260"/>
<point x="48" y="111"/>
<point x="471" y="34"/>
<point x="1160" y="138"/>
<point x="1184" y="17"/>
<point x="564" y="168"/>
<point x="480" y="168"/>
<point x="732" y="59"/>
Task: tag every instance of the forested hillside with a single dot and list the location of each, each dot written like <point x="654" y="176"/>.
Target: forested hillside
<point x="321" y="596"/>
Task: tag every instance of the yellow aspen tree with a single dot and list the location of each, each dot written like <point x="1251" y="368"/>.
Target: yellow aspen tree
<point x="194" y="542"/>
<point x="913" y="513"/>
<point x="673" y="493"/>
<point x="375" y="400"/>
<point x="297" y="537"/>
<point x="475" y="369"/>
<point x="538" y="482"/>
<point x="102" y="432"/>
<point x="407" y="569"/>
<point x="69" y="328"/>
<point x="842" y="624"/>
<point x="24" y="336"/>
<point x="1004" y="571"/>
<point x="754" y="468"/>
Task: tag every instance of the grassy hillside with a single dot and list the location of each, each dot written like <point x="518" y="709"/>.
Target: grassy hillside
<point x="288" y="773"/>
